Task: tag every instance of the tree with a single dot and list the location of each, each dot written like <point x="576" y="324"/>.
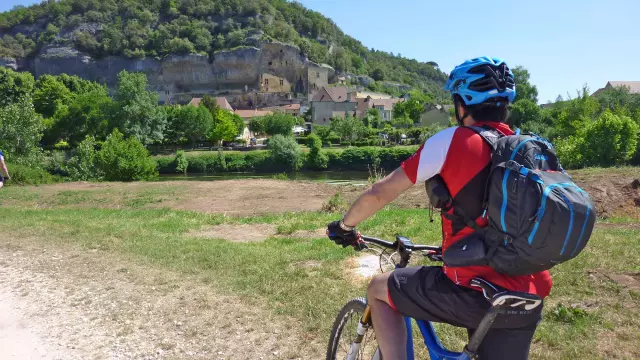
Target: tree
<point x="256" y="125"/>
<point x="20" y="132"/>
<point x="82" y="165"/>
<point x="402" y="122"/>
<point x="322" y="131"/>
<point x="317" y="159"/>
<point x="14" y="86"/>
<point x="50" y="94"/>
<point x="239" y="123"/>
<point x="278" y="123"/>
<point x="223" y="129"/>
<point x="523" y="111"/>
<point x="194" y="122"/>
<point x="121" y="159"/>
<point x="610" y="140"/>
<point x="411" y="109"/>
<point x="378" y="74"/>
<point x="136" y="111"/>
<point x="285" y="152"/>
<point x="86" y="115"/>
<point x="372" y="118"/>
<point x="524" y="89"/>
<point x="348" y="128"/>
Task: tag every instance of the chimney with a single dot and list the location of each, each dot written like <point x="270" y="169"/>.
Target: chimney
<point x="349" y="96"/>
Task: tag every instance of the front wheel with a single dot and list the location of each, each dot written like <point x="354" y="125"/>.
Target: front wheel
<point x="342" y="344"/>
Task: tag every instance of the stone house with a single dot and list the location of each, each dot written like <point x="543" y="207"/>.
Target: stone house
<point x="384" y="106"/>
<point x="332" y="101"/>
<point x="435" y="114"/>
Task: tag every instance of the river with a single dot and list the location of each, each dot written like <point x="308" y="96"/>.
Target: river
<point x="329" y="177"/>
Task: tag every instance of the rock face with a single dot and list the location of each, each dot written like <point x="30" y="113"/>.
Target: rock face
<point x="237" y="71"/>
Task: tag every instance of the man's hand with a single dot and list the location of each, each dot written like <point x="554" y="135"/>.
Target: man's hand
<point x="345" y="237"/>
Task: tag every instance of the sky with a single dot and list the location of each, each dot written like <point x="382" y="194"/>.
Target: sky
<point x="563" y="43"/>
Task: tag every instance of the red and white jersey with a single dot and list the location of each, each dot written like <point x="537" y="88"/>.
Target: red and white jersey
<point x="462" y="158"/>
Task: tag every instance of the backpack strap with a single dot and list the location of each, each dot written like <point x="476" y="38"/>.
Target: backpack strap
<point x="489" y="134"/>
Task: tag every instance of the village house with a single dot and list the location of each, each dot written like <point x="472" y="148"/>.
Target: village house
<point x="384" y="106"/>
<point x="435" y="114"/>
<point x="329" y="102"/>
<point x="220" y="101"/>
<point x="634" y="86"/>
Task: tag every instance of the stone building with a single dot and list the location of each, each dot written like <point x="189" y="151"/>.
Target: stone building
<point x="329" y="102"/>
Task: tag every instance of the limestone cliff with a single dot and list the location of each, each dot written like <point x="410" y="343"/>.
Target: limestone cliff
<point x="238" y="70"/>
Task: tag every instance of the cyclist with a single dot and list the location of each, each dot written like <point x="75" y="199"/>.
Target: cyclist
<point x="4" y="170"/>
<point x="481" y="89"/>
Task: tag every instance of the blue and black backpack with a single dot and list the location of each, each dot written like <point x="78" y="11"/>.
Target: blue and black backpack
<point x="538" y="217"/>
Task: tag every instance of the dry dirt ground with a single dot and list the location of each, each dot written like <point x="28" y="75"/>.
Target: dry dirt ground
<point x="68" y="304"/>
<point x="615" y="194"/>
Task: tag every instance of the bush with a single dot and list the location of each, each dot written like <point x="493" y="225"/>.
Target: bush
<point x="82" y="166"/>
<point x="285" y="152"/>
<point x="609" y="141"/>
<point x="123" y="159"/>
<point x="166" y="165"/>
<point x="181" y="162"/>
<point x="569" y="152"/>
<point x="303" y="140"/>
<point x="24" y="175"/>
<point x="317" y="158"/>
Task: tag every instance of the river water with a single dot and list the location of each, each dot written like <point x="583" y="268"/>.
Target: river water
<point x="329" y="177"/>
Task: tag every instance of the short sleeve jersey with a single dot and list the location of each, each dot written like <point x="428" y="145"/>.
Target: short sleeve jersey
<point x="462" y="158"/>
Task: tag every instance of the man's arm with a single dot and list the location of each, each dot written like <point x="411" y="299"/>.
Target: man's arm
<point x="379" y="195"/>
<point x="4" y="167"/>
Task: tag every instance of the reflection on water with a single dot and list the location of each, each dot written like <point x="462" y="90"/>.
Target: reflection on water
<point x="330" y="177"/>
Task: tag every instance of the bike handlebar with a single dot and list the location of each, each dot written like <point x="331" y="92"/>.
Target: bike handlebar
<point x="400" y="239"/>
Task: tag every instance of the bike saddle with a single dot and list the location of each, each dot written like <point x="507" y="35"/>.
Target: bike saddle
<point x="509" y="300"/>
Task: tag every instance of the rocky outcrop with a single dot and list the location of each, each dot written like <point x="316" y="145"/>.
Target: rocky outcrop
<point x="238" y="69"/>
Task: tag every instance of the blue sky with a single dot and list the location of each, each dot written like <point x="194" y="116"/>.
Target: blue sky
<point x="563" y="43"/>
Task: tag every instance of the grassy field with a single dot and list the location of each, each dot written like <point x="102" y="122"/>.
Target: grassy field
<point x="587" y="316"/>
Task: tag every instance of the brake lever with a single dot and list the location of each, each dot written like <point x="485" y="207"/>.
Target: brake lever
<point x="433" y="256"/>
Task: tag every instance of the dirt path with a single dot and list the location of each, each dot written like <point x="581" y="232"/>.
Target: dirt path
<point x="66" y="304"/>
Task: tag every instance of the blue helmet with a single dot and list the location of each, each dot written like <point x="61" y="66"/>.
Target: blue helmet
<point x="482" y="80"/>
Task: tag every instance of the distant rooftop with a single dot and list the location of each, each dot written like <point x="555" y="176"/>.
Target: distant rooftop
<point x="634" y="86"/>
<point x="220" y="101"/>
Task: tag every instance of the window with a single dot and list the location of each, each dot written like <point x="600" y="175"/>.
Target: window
<point x="281" y="82"/>
<point x="270" y="63"/>
<point x="318" y="75"/>
<point x="266" y="81"/>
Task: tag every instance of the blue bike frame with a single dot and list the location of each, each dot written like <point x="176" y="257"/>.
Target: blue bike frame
<point x="431" y="341"/>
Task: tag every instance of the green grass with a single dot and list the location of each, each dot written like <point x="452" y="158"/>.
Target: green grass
<point x="586" y="316"/>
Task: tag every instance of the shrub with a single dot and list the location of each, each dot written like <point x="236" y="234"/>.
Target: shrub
<point x="123" y="159"/>
<point x="335" y="204"/>
<point x="285" y="152"/>
<point x="303" y="140"/>
<point x="166" y="165"/>
<point x="82" y="166"/>
<point x="181" y="162"/>
<point x="24" y="175"/>
<point x="569" y="152"/>
<point x="610" y="140"/>
<point x="317" y="158"/>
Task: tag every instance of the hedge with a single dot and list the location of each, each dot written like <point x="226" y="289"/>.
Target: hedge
<point x="353" y="158"/>
<point x="24" y="175"/>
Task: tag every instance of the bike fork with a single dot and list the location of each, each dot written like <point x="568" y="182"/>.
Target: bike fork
<point x="363" y="326"/>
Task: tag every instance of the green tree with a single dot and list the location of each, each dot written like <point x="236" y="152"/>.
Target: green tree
<point x="524" y="89"/>
<point x="378" y="74"/>
<point x="223" y="129"/>
<point x="194" y="122"/>
<point x="285" y="152"/>
<point x="136" y="111"/>
<point x="411" y="109"/>
<point x="20" y="132"/>
<point x="49" y="95"/>
<point x="14" y="86"/>
<point x="317" y="159"/>
<point x="86" y="115"/>
<point x="372" y="118"/>
<point x="123" y="159"/>
<point x="402" y="122"/>
<point x="610" y="140"/>
<point x="256" y="125"/>
<point x="82" y="166"/>
<point x="239" y="123"/>
<point x="348" y="128"/>
<point x="323" y="132"/>
<point x="523" y="111"/>
<point x="278" y="123"/>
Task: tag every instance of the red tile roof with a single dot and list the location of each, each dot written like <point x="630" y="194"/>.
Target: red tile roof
<point x="248" y="114"/>
<point x="332" y="94"/>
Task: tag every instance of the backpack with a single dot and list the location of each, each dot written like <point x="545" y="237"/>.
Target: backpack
<point x="537" y="217"/>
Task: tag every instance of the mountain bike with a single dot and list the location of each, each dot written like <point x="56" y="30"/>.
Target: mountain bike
<point x="358" y="342"/>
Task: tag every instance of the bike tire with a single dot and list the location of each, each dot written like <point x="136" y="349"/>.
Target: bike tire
<point x="354" y="309"/>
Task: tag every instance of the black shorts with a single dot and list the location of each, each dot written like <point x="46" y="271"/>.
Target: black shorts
<point x="426" y="293"/>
